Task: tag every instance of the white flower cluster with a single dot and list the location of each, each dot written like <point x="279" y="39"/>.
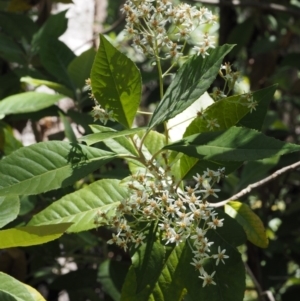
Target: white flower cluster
<point x="250" y="102"/>
<point x="179" y="216"/>
<point x="101" y="114"/>
<point x="98" y="112"/>
<point x="154" y="25"/>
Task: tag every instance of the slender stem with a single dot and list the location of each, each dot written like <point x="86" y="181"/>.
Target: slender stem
<point x="160" y="78"/>
<point x="289" y="9"/>
<point x="182" y="122"/>
<point x="256" y="284"/>
<point x="249" y="188"/>
<point x="144" y="113"/>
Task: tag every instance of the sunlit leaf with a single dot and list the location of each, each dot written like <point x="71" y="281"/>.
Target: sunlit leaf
<point x="48" y="165"/>
<point x="234" y="144"/>
<point x="116" y="82"/>
<point x="31" y="235"/>
<point x="13" y="290"/>
<point x="250" y="222"/>
<point x="9" y="209"/>
<point x="28" y="102"/>
<point x="191" y="81"/>
<point x="79" y="69"/>
<point x="52" y="85"/>
<point x="81" y="207"/>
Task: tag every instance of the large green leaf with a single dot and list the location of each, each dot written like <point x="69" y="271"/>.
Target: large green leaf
<point x="55" y="57"/>
<point x="116" y="82"/>
<point x="111" y="275"/>
<point x="13" y="290"/>
<point x="10" y="142"/>
<point x="114" y="140"/>
<point x="147" y="263"/>
<point x="155" y="279"/>
<point x="234" y="144"/>
<point x="79" y="69"/>
<point x="11" y="51"/>
<point x="48" y="165"/>
<point x="28" y="102"/>
<point x="31" y="235"/>
<point x="254" y="171"/>
<point x="52" y="85"/>
<point x="18" y="26"/>
<point x="191" y="81"/>
<point x="255" y="119"/>
<point x="81" y="207"/>
<point x="102" y="133"/>
<point x="251" y="223"/>
<point x="69" y="133"/>
<point x="9" y="209"/>
<point x="228" y="112"/>
<point x="53" y="28"/>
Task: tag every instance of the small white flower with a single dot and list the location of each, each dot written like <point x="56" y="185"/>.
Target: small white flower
<point x="215" y="223"/>
<point x="139" y="240"/>
<point x="220" y="256"/>
<point x="209" y="191"/>
<point x="212" y="124"/>
<point x="208" y="279"/>
<point x="198" y="263"/>
<point x="114" y="240"/>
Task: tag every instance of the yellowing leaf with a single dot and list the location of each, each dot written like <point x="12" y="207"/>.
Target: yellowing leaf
<point x="31" y="235"/>
<point x="34" y="293"/>
<point x="251" y="223"/>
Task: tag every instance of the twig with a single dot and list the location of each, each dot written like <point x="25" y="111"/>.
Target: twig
<point x="114" y="25"/>
<point x="269" y="295"/>
<point x="262" y="5"/>
<point x="258" y="288"/>
<point x="257" y="184"/>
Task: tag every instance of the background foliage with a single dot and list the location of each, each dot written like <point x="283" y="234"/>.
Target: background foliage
<point x="31" y="55"/>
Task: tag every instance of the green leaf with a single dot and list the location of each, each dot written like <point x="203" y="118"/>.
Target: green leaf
<point x="102" y="133"/>
<point x="28" y="102"/>
<point x="254" y="171"/>
<point x="191" y="81"/>
<point x="116" y="82"/>
<point x="52" y="29"/>
<point x="79" y="69"/>
<point x="12" y="289"/>
<point x="255" y="120"/>
<point x="171" y="278"/>
<point x="118" y="142"/>
<point x="48" y="165"/>
<point x="9" y="209"/>
<point x="228" y="112"/>
<point x="55" y="57"/>
<point x="18" y="26"/>
<point x="190" y="166"/>
<point x="55" y="86"/>
<point x="111" y="275"/>
<point x="31" y="235"/>
<point x="241" y="35"/>
<point x="69" y="133"/>
<point x="147" y="263"/>
<point x="234" y="144"/>
<point x="250" y="222"/>
<point x="11" y="51"/>
<point x="8" y="297"/>
<point x="81" y="207"/>
<point x="34" y="293"/>
<point x="10" y="142"/>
